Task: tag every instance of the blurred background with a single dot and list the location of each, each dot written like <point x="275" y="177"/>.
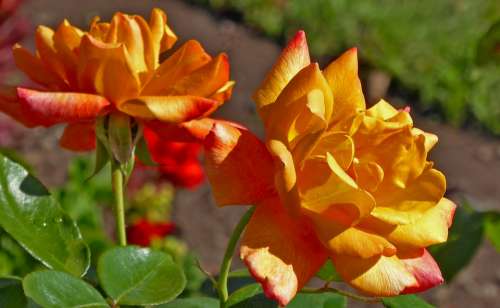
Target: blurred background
<point x="441" y="58"/>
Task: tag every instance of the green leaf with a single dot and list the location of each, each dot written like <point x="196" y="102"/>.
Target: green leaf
<point x="321" y="300"/>
<point x="35" y="220"/>
<point x="250" y="296"/>
<point x="140" y="276"/>
<point x="328" y="272"/>
<point x="464" y="238"/>
<point x="143" y="154"/>
<point x="120" y="137"/>
<point x="11" y="293"/>
<point x="101" y="158"/>
<point x="195" y="302"/>
<point x="57" y="289"/>
<point x="492" y="228"/>
<point x="405" y="301"/>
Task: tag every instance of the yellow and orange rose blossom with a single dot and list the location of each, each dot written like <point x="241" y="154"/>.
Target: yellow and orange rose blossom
<point x="114" y="68"/>
<point x="332" y="180"/>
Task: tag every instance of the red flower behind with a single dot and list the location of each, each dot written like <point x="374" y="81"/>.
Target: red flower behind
<point x="178" y="162"/>
<point x="143" y="232"/>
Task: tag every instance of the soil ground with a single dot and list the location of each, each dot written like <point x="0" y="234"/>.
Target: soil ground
<point x="470" y="160"/>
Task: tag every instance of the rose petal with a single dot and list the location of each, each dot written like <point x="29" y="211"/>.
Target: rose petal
<point x="425" y="270"/>
<point x="230" y="158"/>
<point x="293" y="58"/>
<point x="281" y="252"/>
<point x="377" y="276"/>
<point x="342" y="76"/>
<point x="108" y="70"/>
<point x="205" y="81"/>
<point x="173" y="109"/>
<point x="9" y="104"/>
<point x="79" y="137"/>
<point x="188" y="58"/>
<point x="328" y="192"/>
<point x="49" y="108"/>
<point x="34" y="68"/>
<point x="407" y="205"/>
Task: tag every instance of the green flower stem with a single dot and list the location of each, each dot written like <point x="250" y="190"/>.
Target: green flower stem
<point x="342" y="292"/>
<point x="117" y="177"/>
<point x="228" y="256"/>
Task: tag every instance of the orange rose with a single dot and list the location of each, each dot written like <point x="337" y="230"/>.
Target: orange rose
<point x="332" y="180"/>
<point x="114" y="67"/>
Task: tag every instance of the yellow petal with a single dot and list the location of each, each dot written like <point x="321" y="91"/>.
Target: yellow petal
<point x="339" y="145"/>
<point x="224" y="93"/>
<point x="327" y="190"/>
<point x="342" y="76"/>
<point x="303" y="117"/>
<point x="163" y="37"/>
<point x="430" y="139"/>
<point x="286" y="166"/>
<point x="127" y="30"/>
<point x="181" y="63"/>
<point x="205" y="81"/>
<point x="430" y="229"/>
<point x="304" y="82"/>
<point x="293" y="58"/>
<point x="352" y="241"/>
<point x="407" y="205"/>
<point x="368" y="175"/>
<point x="106" y="69"/>
<point x="401" y="155"/>
<point x="378" y="276"/>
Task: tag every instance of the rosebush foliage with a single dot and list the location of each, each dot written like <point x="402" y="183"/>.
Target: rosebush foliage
<point x="444" y="50"/>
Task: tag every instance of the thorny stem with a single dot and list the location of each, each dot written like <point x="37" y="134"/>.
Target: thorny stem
<point x="228" y="256"/>
<point x="119" y="203"/>
<point x="342" y="292"/>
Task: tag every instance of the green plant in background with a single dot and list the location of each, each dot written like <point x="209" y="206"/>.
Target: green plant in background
<point x="438" y="48"/>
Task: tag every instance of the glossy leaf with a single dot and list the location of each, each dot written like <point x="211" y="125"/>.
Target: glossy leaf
<point x="405" y="301"/>
<point x="195" y="302"/>
<point x="492" y="228"/>
<point x="53" y="289"/>
<point x="11" y="293"/>
<point x="140" y="276"/>
<point x="464" y="238"/>
<point x="328" y="272"/>
<point x="322" y="300"/>
<point x="249" y="296"/>
<point x="34" y="219"/>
